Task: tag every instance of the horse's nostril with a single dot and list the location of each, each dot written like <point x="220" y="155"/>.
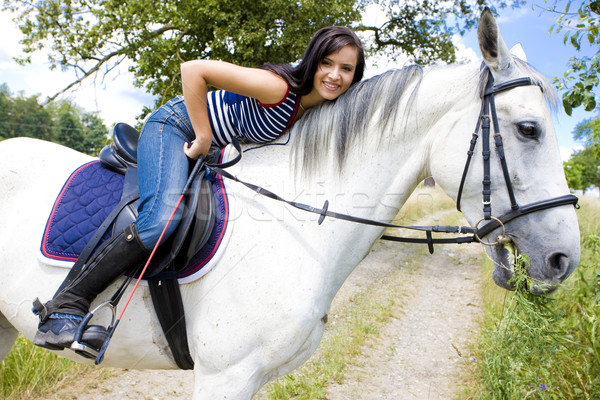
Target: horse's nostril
<point x="559" y="262"/>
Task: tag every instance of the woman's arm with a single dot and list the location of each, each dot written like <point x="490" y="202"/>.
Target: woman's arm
<point x="262" y="85"/>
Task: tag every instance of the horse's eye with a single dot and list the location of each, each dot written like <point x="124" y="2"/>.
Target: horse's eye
<point x="528" y="130"/>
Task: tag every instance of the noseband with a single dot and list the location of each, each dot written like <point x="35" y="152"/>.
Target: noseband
<point x="487" y="114"/>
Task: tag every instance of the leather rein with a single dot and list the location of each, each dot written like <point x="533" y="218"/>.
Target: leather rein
<point x="487" y="114"/>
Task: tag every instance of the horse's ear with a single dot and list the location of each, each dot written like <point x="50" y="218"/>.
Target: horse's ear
<point x="493" y="49"/>
<point x="517" y="51"/>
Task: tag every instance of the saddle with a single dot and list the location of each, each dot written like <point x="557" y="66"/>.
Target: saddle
<point x="191" y="235"/>
<point x="198" y="217"/>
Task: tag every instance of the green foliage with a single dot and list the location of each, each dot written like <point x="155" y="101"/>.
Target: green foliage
<point x="423" y="30"/>
<point x="581" y="28"/>
<point x="29" y="369"/>
<point x="156" y="37"/>
<point x="61" y="122"/>
<point x="153" y="38"/>
<point x="582" y="170"/>
<point x="546" y="347"/>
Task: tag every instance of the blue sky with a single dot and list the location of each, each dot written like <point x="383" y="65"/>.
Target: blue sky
<point x="546" y="52"/>
<point x="118" y="101"/>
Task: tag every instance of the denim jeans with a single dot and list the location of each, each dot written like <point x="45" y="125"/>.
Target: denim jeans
<point x="163" y="169"/>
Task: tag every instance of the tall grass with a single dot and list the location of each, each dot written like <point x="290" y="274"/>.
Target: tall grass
<point x="29" y="370"/>
<point x="544" y="347"/>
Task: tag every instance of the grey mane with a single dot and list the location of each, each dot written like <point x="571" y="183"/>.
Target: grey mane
<point x="336" y="126"/>
<point x="342" y="122"/>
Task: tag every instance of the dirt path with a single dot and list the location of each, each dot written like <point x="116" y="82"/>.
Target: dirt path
<point x="417" y="355"/>
<point x="421" y="352"/>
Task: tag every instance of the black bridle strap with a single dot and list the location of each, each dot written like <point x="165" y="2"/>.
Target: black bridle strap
<point x="487" y="113"/>
<point x="500" y="152"/>
<point x="325" y="212"/>
<point x="564" y="200"/>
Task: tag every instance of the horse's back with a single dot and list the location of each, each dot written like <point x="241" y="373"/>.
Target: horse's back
<point x="32" y="172"/>
<point x="31" y="168"/>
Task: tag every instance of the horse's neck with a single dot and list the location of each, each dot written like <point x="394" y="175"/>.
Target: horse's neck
<point x="377" y="177"/>
<point x="391" y="164"/>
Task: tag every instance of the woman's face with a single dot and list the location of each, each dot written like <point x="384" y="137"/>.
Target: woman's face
<point x="335" y="73"/>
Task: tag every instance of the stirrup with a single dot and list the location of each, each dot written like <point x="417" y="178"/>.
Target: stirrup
<point x="85" y="349"/>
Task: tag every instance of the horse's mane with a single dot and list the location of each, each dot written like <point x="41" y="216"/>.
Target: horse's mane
<point x="347" y="120"/>
<point x="342" y="122"/>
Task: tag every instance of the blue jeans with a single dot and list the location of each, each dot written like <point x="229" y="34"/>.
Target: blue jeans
<point x="163" y="169"/>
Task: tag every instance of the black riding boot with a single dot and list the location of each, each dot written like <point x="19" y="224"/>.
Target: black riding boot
<point x="61" y="316"/>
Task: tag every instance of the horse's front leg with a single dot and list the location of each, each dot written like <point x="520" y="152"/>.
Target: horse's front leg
<point x="266" y="359"/>
<point x="8" y="335"/>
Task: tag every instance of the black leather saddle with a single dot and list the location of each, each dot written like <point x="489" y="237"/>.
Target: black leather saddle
<point x="198" y="217"/>
<point x="192" y="233"/>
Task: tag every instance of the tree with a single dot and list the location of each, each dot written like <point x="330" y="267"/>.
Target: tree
<point x="153" y="37"/>
<point x="156" y="36"/>
<point x="61" y="122"/>
<point x="580" y="27"/>
<point x="23" y="116"/>
<point x="69" y="128"/>
<point x="583" y="169"/>
<point x="95" y="137"/>
<point x="423" y="30"/>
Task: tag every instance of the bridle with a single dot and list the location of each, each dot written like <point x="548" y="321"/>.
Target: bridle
<point x="487" y="114"/>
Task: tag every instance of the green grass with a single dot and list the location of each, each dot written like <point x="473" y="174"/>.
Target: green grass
<point x="544" y="347"/>
<point x="29" y="370"/>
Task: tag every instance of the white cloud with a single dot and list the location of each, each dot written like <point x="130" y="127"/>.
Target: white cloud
<point x="116" y="99"/>
<point x="567" y="152"/>
<point x="463" y="53"/>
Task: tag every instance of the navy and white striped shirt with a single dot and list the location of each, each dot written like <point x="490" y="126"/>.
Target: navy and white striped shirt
<point x="231" y="114"/>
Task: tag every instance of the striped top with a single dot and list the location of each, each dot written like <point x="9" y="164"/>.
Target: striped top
<point x="231" y="114"/>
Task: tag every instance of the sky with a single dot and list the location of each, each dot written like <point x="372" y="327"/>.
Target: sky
<point x="117" y="100"/>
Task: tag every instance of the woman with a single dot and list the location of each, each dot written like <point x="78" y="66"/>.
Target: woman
<point x="258" y="104"/>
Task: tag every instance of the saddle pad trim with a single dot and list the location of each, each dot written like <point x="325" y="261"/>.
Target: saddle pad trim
<point x="45" y="250"/>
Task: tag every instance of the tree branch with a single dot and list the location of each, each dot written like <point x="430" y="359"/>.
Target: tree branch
<point x="104" y="60"/>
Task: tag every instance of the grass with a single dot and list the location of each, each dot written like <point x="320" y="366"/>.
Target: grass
<point x="544" y="347"/>
<point x="31" y="371"/>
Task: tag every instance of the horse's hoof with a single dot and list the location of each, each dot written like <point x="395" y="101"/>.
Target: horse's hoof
<point x="59" y="333"/>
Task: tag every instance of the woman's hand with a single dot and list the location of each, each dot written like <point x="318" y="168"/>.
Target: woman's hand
<point x="195" y="149"/>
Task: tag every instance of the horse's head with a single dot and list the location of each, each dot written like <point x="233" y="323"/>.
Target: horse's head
<point x="550" y="238"/>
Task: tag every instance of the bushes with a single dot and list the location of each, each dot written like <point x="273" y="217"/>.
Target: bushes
<point x="545" y="347"/>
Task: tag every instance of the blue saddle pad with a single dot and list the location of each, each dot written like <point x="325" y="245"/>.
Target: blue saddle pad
<point x="86" y="199"/>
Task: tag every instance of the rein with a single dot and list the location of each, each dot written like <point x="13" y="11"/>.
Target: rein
<point x="487" y="114"/>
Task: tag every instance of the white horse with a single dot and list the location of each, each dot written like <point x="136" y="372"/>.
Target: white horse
<point x="261" y="311"/>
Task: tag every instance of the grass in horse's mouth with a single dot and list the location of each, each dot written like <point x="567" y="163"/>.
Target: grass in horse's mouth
<point x="512" y="254"/>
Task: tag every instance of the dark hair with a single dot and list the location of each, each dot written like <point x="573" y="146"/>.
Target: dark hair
<point x="325" y="42"/>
